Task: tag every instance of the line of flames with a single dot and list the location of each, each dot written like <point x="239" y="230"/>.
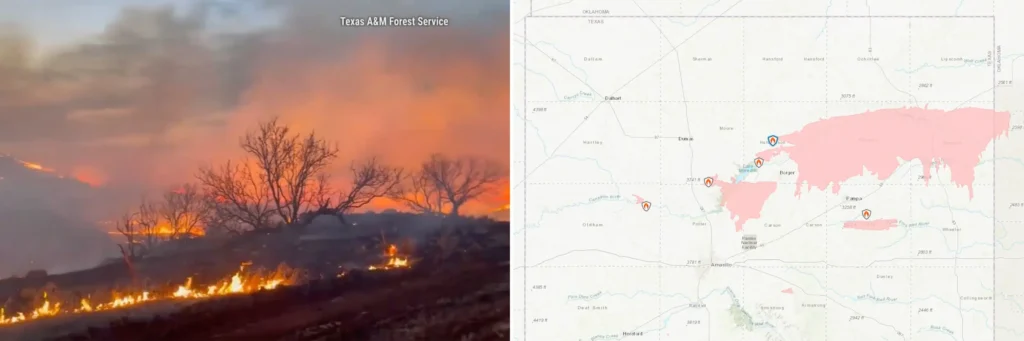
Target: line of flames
<point x="238" y="283"/>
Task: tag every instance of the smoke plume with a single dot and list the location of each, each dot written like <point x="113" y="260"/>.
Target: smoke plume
<point x="165" y="89"/>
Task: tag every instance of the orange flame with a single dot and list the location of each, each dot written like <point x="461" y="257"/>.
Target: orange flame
<point x="394" y="261"/>
<point x="35" y="166"/>
<point x="164" y="230"/>
<point x="238" y="283"/>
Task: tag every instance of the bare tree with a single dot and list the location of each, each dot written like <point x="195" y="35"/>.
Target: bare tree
<point x="184" y="209"/>
<point x="456" y="181"/>
<point x="128" y="227"/>
<point x="369" y="180"/>
<point x="289" y="164"/>
<point x="239" y="194"/>
<point x="218" y="220"/>
<point x="147" y="221"/>
<point x="421" y="194"/>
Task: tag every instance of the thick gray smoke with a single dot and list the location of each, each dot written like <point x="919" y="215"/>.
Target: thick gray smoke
<point x="163" y="90"/>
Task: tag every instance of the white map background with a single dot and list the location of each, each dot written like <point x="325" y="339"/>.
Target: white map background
<point x="590" y="264"/>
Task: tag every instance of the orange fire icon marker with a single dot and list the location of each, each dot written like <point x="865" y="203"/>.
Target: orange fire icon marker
<point x="646" y="205"/>
<point x="866" y="214"/>
<point x="758" y="162"/>
<point x="709" y="181"/>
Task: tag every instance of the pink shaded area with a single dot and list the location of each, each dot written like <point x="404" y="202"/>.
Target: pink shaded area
<point x="744" y="200"/>
<point x="832" y="150"/>
<point x="870" y="225"/>
<point x="639" y="199"/>
<point x="787" y="291"/>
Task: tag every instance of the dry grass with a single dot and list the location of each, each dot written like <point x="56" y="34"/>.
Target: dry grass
<point x="482" y="315"/>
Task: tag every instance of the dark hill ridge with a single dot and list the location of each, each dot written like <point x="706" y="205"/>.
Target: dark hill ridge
<point x="456" y="288"/>
<point x="24" y="183"/>
<point x="45" y="221"/>
<point x="17" y="169"/>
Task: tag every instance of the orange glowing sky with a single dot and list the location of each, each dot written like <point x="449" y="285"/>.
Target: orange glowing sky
<point x="399" y="94"/>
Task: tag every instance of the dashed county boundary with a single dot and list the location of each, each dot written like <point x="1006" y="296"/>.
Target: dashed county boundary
<point x="968" y="127"/>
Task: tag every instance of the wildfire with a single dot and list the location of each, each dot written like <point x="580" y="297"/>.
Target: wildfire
<point x="45" y="309"/>
<point x="35" y="166"/>
<point x="164" y="230"/>
<point x="86" y="176"/>
<point x="238" y="283"/>
<point x="394" y="261"/>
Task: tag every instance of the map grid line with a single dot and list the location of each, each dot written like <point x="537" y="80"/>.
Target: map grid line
<point x="911" y="232"/>
<point x="743" y="148"/>
<point x="526" y="112"/>
<point x="995" y="158"/>
<point x="769" y="16"/>
<point x="824" y="32"/>
<point x="903" y="101"/>
<point x="661" y="183"/>
<point x="661" y="172"/>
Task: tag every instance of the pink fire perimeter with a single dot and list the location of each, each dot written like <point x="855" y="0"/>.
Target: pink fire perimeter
<point x="832" y="150"/>
<point x="744" y="200"/>
<point x="787" y="291"/>
<point x="871" y="225"/>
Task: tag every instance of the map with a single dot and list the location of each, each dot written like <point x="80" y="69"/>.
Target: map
<point x="767" y="170"/>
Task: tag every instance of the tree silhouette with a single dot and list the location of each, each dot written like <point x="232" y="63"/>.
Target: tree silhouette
<point x="128" y="226"/>
<point x="420" y="194"/>
<point x="147" y="221"/>
<point x="369" y="180"/>
<point x="444" y="182"/>
<point x="280" y="178"/>
<point x="239" y="196"/>
<point x="184" y="209"/>
<point x="289" y="164"/>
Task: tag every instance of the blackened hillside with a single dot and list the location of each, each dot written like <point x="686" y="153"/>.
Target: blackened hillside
<point x="45" y="221"/>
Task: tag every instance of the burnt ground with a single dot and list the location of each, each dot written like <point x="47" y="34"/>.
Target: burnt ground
<point x="456" y="291"/>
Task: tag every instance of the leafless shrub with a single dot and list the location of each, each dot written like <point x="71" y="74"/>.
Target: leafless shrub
<point x="446" y="184"/>
<point x="184" y="210"/>
<point x="370" y="180"/>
